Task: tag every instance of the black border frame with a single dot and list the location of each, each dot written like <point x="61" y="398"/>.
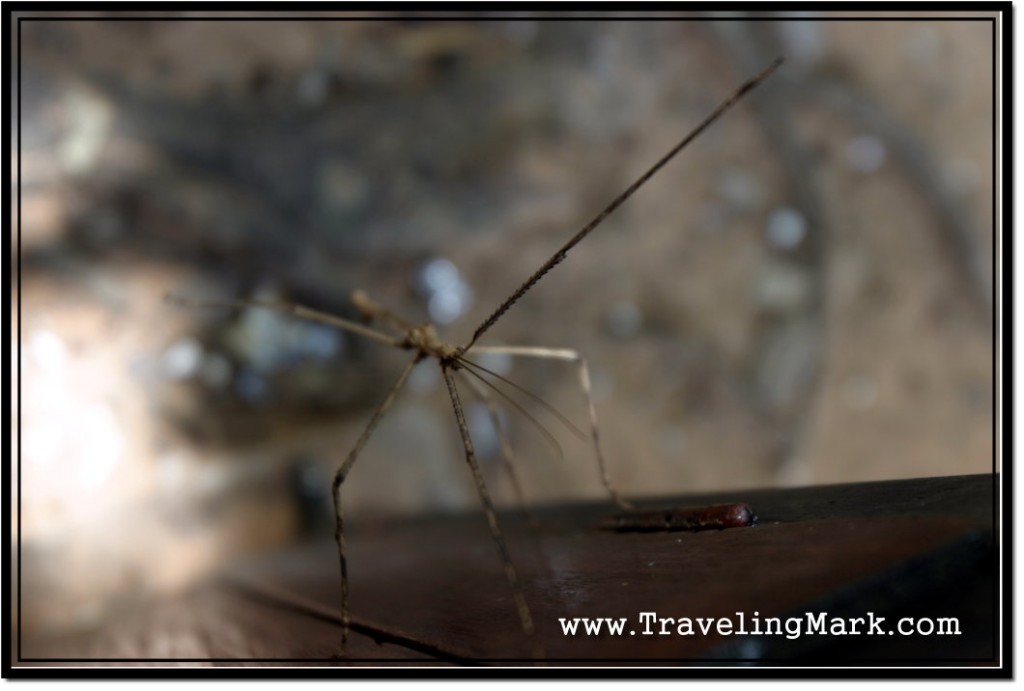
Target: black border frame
<point x="1003" y="71"/>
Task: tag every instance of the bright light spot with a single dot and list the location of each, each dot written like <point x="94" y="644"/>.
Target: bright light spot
<point x="318" y="340"/>
<point x="446" y="306"/>
<point x="260" y="338"/>
<point x="101" y="445"/>
<point x="47" y="349"/>
<point x="89" y="120"/>
<point x="39" y="444"/>
<point x="440" y="274"/>
<point x="183" y="359"/>
<point x="268" y="341"/>
<point x="448" y="296"/>
<point x="786" y="228"/>
<point x="865" y="153"/>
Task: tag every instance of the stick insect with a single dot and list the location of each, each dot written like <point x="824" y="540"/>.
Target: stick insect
<point x="385" y="327"/>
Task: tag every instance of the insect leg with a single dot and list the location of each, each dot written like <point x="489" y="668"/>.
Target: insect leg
<point x="373" y="311"/>
<point x="339" y="478"/>
<point x="292" y="308"/>
<point x="492" y="519"/>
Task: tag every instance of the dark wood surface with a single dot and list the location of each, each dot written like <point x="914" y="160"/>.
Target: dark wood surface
<point x="432" y="591"/>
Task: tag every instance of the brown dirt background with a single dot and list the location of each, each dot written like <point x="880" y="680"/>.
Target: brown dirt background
<point x="308" y="158"/>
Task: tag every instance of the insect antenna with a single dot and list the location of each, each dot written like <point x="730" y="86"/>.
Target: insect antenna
<point x="560" y="255"/>
<point x="533" y="420"/>
<point x="534" y="397"/>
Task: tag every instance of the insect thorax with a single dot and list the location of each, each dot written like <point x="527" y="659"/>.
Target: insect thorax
<point x="425" y="339"/>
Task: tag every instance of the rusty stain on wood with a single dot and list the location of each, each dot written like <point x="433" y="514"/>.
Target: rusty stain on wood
<point x="716" y="517"/>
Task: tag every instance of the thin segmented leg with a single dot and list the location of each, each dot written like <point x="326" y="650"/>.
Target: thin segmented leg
<point x="339" y="478"/>
<point x="505" y="446"/>
<point x="485" y="498"/>
<point x="569" y="355"/>
<point x="376" y="312"/>
<point x="343" y="470"/>
<point x="294" y="309"/>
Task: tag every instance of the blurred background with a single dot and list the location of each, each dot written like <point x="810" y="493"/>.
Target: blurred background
<point x="804" y="296"/>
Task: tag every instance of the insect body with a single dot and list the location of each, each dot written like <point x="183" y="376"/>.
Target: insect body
<point x="457" y="360"/>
